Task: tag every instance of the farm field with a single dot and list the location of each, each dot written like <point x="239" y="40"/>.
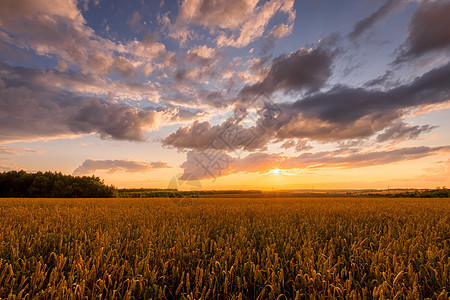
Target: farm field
<point x="233" y="248"/>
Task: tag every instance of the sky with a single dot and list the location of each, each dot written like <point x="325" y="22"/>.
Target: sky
<point x="228" y="94"/>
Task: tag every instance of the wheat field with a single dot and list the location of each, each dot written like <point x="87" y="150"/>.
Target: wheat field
<point x="234" y="248"/>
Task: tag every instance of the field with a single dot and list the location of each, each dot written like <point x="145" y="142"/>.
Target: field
<point x="234" y="248"/>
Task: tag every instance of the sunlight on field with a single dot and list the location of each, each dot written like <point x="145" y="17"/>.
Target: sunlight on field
<point x="225" y="248"/>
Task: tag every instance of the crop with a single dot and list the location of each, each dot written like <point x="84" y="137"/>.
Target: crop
<point x="234" y="248"/>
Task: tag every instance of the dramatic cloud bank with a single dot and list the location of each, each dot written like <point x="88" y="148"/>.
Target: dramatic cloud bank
<point x="328" y="116"/>
<point x="32" y="106"/>
<point x="34" y="112"/>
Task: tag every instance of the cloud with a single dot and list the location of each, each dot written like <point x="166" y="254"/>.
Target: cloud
<point x="332" y="115"/>
<point x="221" y="13"/>
<point x="401" y="131"/>
<point x="170" y="114"/>
<point x="429" y="30"/>
<point x="255" y="25"/>
<point x="56" y="28"/>
<point x="329" y="159"/>
<point x="12" y="9"/>
<point x="300" y="145"/>
<point x="381" y="80"/>
<point x="9" y="167"/>
<point x="90" y="166"/>
<point x="306" y="69"/>
<point x="7" y="150"/>
<point x="368" y="22"/>
<point x="341" y="113"/>
<point x="134" y="21"/>
<point x="49" y="103"/>
<point x="120" y="122"/>
<point x="82" y="83"/>
<point x="201" y="55"/>
<point x="281" y="30"/>
<point x="227" y="136"/>
<point x="204" y="165"/>
<point x="29" y="111"/>
<point x="436" y="172"/>
<point x="235" y="23"/>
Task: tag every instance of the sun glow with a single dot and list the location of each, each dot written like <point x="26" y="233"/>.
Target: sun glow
<point x="278" y="171"/>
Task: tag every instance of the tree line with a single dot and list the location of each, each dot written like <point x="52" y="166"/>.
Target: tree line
<point x="53" y="185"/>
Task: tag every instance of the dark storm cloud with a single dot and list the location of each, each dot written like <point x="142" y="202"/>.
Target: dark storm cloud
<point x="368" y="22"/>
<point x="429" y="30"/>
<point x="90" y="166"/>
<point x="401" y="131"/>
<point x="305" y="69"/>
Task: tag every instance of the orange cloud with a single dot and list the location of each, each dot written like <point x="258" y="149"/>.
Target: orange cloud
<point x="213" y="164"/>
<point x="90" y="166"/>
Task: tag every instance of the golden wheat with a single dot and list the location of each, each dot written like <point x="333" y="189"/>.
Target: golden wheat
<point x="305" y="248"/>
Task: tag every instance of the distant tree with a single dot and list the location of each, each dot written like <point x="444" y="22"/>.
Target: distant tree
<point x="53" y="185"/>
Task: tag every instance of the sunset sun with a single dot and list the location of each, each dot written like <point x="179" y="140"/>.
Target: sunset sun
<point x="278" y="171"/>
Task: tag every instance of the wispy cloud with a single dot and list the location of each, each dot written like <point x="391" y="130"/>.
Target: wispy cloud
<point x="368" y="22"/>
<point x="91" y="166"/>
<point x="197" y="167"/>
<point x="8" y="150"/>
<point x="401" y="131"/>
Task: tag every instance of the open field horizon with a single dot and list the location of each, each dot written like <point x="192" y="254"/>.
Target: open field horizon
<point x="228" y="248"/>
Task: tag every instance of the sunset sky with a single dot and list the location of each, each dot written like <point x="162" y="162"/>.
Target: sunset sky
<point x="228" y="94"/>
